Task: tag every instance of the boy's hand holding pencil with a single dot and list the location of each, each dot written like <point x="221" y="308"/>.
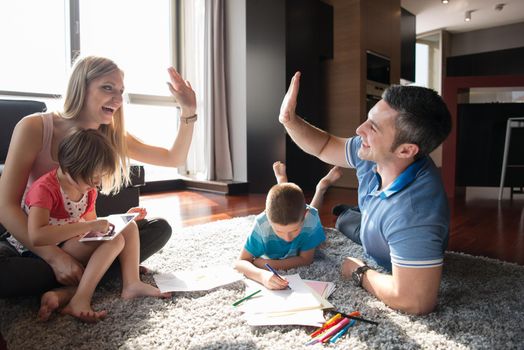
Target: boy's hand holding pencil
<point x="271" y="281"/>
<point x="276" y="279"/>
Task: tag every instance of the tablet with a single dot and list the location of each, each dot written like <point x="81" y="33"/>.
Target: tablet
<point x="117" y="223"/>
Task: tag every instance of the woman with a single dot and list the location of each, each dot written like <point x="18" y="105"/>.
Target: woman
<point x="93" y="100"/>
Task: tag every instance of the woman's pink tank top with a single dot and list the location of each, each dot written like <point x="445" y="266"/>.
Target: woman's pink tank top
<point x="44" y="162"/>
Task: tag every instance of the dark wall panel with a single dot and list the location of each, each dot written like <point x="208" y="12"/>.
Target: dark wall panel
<point x="502" y="62"/>
<point x="481" y="136"/>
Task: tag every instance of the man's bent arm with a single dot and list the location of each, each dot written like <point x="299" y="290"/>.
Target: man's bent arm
<point x="410" y="290"/>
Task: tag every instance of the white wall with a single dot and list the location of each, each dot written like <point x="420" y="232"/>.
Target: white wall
<point x="485" y="40"/>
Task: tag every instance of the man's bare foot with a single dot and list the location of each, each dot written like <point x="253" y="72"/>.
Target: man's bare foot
<point x="279" y="169"/>
<point x="333" y="175"/>
<point x="53" y="300"/>
<point x="84" y="312"/>
<point x="141" y="289"/>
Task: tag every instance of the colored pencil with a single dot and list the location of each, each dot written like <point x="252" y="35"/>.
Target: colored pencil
<point x="247" y="297"/>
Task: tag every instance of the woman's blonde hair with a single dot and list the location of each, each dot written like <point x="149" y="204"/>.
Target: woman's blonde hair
<point x="84" y="71"/>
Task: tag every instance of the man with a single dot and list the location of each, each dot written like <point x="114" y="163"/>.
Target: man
<point x="405" y="217"/>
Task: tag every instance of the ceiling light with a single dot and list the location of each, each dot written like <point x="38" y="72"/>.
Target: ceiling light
<point x="445" y="1"/>
<point x="467" y="16"/>
<point x="499" y="7"/>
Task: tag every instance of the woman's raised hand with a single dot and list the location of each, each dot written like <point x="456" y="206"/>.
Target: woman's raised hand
<point x="183" y="92"/>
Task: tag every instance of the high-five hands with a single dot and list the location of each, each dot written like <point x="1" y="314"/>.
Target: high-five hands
<point x="289" y="104"/>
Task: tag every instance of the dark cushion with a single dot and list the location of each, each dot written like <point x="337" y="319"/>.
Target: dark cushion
<point x="11" y="111"/>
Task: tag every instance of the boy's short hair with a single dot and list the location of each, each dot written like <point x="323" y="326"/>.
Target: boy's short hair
<point x="84" y="152"/>
<point x="285" y="204"/>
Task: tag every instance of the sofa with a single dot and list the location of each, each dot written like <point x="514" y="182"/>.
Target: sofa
<point x="12" y="111"/>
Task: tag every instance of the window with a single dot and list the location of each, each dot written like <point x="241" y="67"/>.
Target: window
<point x="136" y="35"/>
<point x="34" y="52"/>
<point x="124" y="32"/>
<point x="140" y="36"/>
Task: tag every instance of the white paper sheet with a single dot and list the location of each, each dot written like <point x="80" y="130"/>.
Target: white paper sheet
<point x="195" y="280"/>
<point x="313" y="318"/>
<point x="300" y="297"/>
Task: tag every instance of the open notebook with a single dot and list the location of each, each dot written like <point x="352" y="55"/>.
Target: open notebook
<point x="300" y="305"/>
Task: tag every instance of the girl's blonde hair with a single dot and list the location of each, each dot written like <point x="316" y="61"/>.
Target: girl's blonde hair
<point x="84" y="71"/>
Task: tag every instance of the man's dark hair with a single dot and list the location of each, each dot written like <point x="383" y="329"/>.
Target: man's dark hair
<point x="423" y="118"/>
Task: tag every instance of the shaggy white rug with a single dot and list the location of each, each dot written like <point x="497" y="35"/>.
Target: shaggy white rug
<point x="480" y="307"/>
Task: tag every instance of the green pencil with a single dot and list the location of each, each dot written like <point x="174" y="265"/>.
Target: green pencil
<point x="245" y="298"/>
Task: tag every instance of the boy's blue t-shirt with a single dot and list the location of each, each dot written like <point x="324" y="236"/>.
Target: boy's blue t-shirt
<point x="263" y="241"/>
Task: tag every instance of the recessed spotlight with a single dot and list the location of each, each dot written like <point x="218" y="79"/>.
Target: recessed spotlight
<point x="467" y="16"/>
<point x="445" y="1"/>
<point x="499" y="7"/>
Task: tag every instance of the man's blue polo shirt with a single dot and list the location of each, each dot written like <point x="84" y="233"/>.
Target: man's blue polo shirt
<point x="405" y="224"/>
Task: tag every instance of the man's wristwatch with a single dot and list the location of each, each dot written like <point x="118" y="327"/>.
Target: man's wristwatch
<point x="358" y="275"/>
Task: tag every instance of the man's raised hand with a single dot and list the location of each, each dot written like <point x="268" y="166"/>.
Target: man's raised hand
<point x="289" y="104"/>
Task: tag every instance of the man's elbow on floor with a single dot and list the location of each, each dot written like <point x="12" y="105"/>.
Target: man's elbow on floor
<point x="415" y="306"/>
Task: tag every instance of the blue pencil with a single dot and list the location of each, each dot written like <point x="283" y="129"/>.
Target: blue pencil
<point x="276" y="274"/>
<point x="342" y="331"/>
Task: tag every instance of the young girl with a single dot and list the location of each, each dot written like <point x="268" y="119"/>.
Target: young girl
<point x="60" y="207"/>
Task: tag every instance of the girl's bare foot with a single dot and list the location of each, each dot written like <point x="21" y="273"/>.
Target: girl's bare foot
<point x="83" y="312"/>
<point x="141" y="289"/>
<point x="53" y="300"/>
<point x="144" y="270"/>
<point x="279" y="169"/>
<point x="333" y="175"/>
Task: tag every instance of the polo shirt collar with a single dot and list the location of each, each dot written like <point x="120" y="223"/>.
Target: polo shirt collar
<point x="403" y="180"/>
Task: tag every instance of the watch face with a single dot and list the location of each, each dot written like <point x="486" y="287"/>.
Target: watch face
<point x="356" y="277"/>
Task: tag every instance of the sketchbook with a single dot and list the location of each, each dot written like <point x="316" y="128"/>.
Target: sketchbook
<point x="118" y="222"/>
<point x="324" y="289"/>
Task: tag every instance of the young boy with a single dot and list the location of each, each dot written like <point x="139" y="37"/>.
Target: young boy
<point x="61" y="208"/>
<point x="287" y="233"/>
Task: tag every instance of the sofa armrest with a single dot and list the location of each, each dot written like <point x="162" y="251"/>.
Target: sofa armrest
<point x="127" y="198"/>
<point x="137" y="175"/>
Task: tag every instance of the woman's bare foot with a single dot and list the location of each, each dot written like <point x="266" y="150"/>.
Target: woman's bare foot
<point x="333" y="175"/>
<point x="141" y="289"/>
<point x="83" y="312"/>
<point x="279" y="169"/>
<point x="53" y="300"/>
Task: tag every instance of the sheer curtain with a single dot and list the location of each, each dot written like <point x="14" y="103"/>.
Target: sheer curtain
<point x="203" y="65"/>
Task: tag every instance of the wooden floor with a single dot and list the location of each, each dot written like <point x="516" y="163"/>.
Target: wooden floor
<point x="479" y="226"/>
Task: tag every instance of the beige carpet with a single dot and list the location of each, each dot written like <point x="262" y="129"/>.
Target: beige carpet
<point x="481" y="307"/>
